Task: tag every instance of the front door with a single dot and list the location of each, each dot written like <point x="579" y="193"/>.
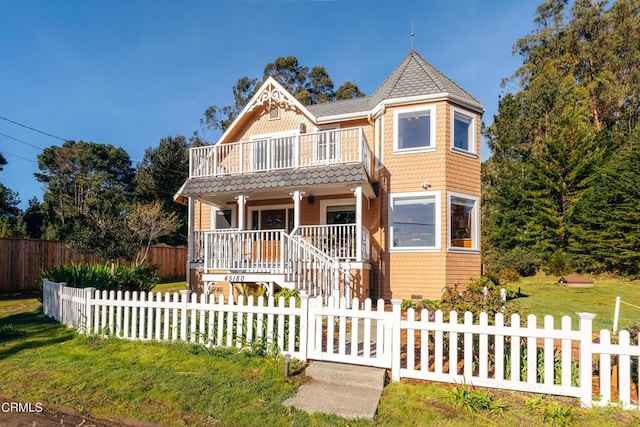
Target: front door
<point x="274" y="219"/>
<point x="267" y="249"/>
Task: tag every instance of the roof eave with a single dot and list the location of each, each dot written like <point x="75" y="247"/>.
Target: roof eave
<point x="343" y="117"/>
<point x="391" y="102"/>
<point x="441" y="96"/>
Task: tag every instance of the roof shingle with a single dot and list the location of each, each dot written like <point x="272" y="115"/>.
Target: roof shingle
<point x="413" y="77"/>
<point x="288" y="178"/>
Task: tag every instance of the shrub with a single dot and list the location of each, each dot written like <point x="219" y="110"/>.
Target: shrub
<point x="523" y="261"/>
<point x="503" y="276"/>
<point x="286" y="294"/>
<point x="474" y="299"/>
<point x="559" y="264"/>
<point x="424" y="304"/>
<point x="254" y="290"/>
<point x="82" y="275"/>
<point x="141" y="278"/>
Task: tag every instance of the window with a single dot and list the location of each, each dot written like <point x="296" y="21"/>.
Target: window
<point x="223" y="219"/>
<point x="463" y="220"/>
<point x="414" y="130"/>
<point x="274" y="112"/>
<point x="462" y="131"/>
<point x="344" y="214"/>
<point x="414" y="221"/>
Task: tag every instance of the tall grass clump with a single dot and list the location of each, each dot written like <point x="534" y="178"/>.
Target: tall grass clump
<point x="141" y="278"/>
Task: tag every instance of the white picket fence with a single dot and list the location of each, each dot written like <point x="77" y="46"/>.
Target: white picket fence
<point x="503" y="354"/>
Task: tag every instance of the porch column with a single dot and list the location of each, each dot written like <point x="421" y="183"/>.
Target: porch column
<point x="191" y="217"/>
<point x="242" y="199"/>
<point x="358" y="193"/>
<point x="297" y="197"/>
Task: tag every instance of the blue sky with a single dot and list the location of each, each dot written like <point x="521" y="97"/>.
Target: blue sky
<point x="128" y="73"/>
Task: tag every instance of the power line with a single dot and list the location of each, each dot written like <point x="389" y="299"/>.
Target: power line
<point x="33" y="129"/>
<point x="21" y="141"/>
<point x="137" y="163"/>
<point x="20" y="157"/>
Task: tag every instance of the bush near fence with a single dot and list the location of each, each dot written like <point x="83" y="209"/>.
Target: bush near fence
<point x="514" y="355"/>
<point x="22" y="262"/>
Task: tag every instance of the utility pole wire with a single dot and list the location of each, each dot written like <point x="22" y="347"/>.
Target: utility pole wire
<point x="61" y="139"/>
<point x="20" y="157"/>
<point x="33" y="129"/>
<point x="21" y="141"/>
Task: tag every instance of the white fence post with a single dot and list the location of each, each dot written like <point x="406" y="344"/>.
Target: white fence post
<point x="395" y="346"/>
<point x="184" y="319"/>
<point x="305" y="321"/>
<point x="61" y="318"/>
<point x="88" y="295"/>
<point x="616" y="315"/>
<point x="586" y="358"/>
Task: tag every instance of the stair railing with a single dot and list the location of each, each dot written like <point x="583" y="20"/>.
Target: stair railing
<point x="313" y="271"/>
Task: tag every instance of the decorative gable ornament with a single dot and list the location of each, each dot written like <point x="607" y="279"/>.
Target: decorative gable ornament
<point x="273" y="96"/>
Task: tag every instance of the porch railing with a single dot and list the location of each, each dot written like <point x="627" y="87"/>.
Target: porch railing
<point x="196" y="251"/>
<point x="248" y="250"/>
<point x="339" y="241"/>
<point x="336" y="240"/>
<point x="311" y="149"/>
<point x="274" y="251"/>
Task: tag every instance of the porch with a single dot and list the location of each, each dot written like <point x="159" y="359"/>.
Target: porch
<point x="315" y="260"/>
<point x="337" y="241"/>
<point x="285" y="210"/>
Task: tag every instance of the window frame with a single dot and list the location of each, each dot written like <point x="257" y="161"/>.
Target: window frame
<point x="214" y="213"/>
<point x="431" y="110"/>
<point x="272" y="116"/>
<point x="324" y="204"/>
<point x="475" y="222"/>
<point x="471" y="137"/>
<point x="436" y="197"/>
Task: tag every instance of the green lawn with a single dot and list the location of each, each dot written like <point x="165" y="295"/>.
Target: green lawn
<point x="543" y="295"/>
<point x="170" y="287"/>
<point x="184" y="384"/>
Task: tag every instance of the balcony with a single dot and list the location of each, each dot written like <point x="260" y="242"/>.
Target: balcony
<point x="332" y="147"/>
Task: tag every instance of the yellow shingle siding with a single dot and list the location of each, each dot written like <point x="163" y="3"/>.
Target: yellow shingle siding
<point x="263" y="124"/>
<point x="408" y="275"/>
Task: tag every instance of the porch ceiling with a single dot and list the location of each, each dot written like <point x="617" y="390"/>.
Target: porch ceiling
<point x="317" y="181"/>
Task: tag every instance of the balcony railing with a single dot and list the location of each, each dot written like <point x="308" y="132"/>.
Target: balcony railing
<point x="305" y="150"/>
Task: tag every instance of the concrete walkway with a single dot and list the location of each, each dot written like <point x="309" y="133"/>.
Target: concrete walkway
<point x="349" y="391"/>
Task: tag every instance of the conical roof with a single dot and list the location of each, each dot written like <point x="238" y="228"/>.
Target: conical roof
<point x="413" y="77"/>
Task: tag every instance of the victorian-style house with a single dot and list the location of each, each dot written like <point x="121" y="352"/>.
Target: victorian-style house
<point x="370" y="197"/>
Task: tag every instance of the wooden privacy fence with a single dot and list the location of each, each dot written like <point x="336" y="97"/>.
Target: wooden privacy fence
<point x="506" y="354"/>
<point x="22" y="261"/>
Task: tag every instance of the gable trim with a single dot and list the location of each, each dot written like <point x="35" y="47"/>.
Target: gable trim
<point x="275" y="94"/>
